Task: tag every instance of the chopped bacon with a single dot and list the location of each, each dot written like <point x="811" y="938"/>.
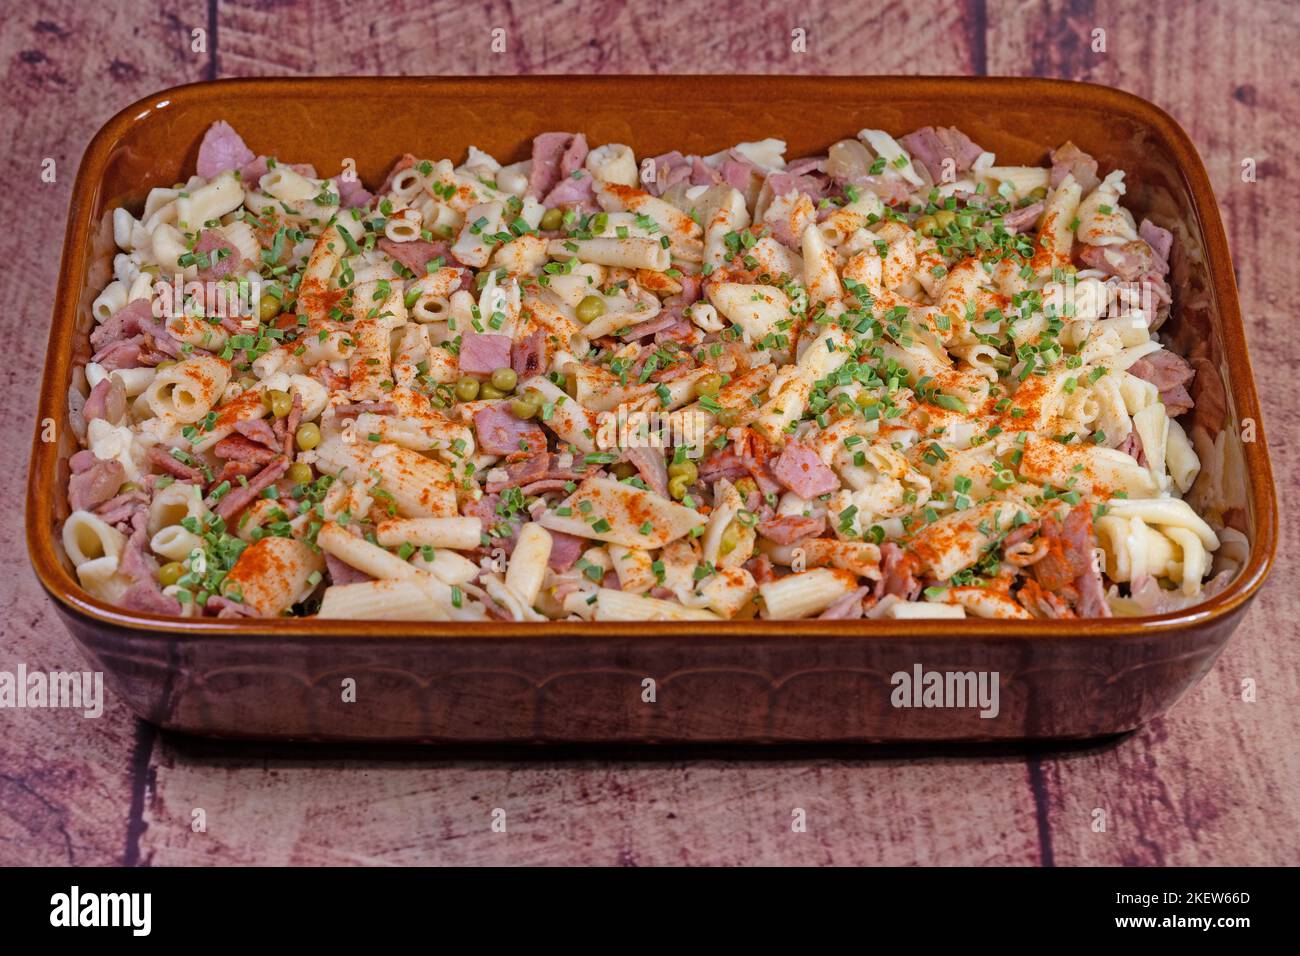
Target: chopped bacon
<point x="140" y="568"/>
<point x="1041" y="603"/>
<point x="760" y="568"/>
<point x="225" y="607"/>
<point x="343" y="573"/>
<point x="240" y="497"/>
<point x="1019" y="220"/>
<point x="107" y="400"/>
<point x="163" y="459"/>
<point x="528" y="355"/>
<point x="847" y="608"/>
<point x="239" y="448"/>
<point x="573" y="190"/>
<point x="258" y="430"/>
<point x="565" y="550"/>
<point x="537" y="467"/>
<point x="1069" y="548"/>
<point x="670" y="169"/>
<point x="552" y="152"/>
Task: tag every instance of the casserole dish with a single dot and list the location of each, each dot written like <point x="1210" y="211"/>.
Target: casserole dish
<point x="749" y="681"/>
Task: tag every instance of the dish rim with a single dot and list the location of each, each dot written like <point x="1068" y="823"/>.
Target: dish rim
<point x="67" y="593"/>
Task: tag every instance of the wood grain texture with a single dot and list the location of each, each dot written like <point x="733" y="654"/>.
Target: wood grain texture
<point x="65" y="781"/>
<point x="1215" y="781"/>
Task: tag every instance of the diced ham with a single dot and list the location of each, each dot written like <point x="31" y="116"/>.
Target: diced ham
<point x="140" y="568"/>
<point x="132" y="319"/>
<point x="760" y="568"/>
<point x="650" y="465"/>
<point x="670" y="169"/>
<point x="575" y="154"/>
<point x="800" y="469"/>
<point x="1068" y="159"/>
<point x="225" y="607"/>
<point x="241" y="496"/>
<point x="702" y="174"/>
<point x="1160" y="240"/>
<point x="222" y="149"/>
<point x="1069" y="549"/>
<point x="107" y="400"/>
<point x="1127" y="261"/>
<point x="1020" y="220"/>
<point x="528" y="355"/>
<point x="291" y="423"/>
<point x="897" y="574"/>
<point x="416" y="254"/>
<point x="353" y="409"/>
<point x="499" y="532"/>
<point x="501" y="433"/>
<point x="573" y="190"/>
<point x="1041" y="603"/>
<point x="352" y="195"/>
<point x="132" y="336"/>
<point x="1171" y="374"/>
<point x="549" y="153"/>
<point x="122" y="354"/>
<point x="787" y="529"/>
<point x="221" y="256"/>
<point x="847" y="608"/>
<point x="931" y="146"/>
<point x="482" y="353"/>
<point x="1092" y="595"/>
<point x="736" y="173"/>
<point x="565" y="550"/>
<point x="343" y="573"/>
<point x="782" y="184"/>
<point x="529" y="472"/>
<point x="93" y="485"/>
<point x="122" y="507"/>
<point x="1132" y="445"/>
<point x="1020" y="535"/>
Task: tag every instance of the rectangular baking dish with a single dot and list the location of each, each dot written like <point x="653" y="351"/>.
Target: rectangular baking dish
<point x="753" y="681"/>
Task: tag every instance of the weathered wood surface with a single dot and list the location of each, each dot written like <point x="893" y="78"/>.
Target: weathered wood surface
<point x="1216" y="781"/>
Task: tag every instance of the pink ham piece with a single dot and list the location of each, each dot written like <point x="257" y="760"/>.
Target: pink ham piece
<point x="222" y="149"/>
<point x="134" y="318"/>
<point x="352" y="195"/>
<point x="702" y="174"/>
<point x="416" y="254"/>
<point x="736" y="173"/>
<point x="551" y="152"/>
<point x="573" y="190"/>
<point x="162" y="459"/>
<point x="575" y="154"/>
<point x="1127" y="261"/>
<point x="931" y="146"/>
<point x="140" y="568"/>
<point x="670" y="169"/>
<point x="897" y="574"/>
<point x="1070" y="160"/>
<point x="1171" y="374"/>
<point x="566" y="549"/>
<point x="1092" y="595"/>
<point x="93" y="483"/>
<point x="500" y="433"/>
<point x="650" y="465"/>
<point x="221" y="257"/>
<point x="225" y="607"/>
<point x="483" y="354"/>
<point x="107" y="400"/>
<point x="241" y="496"/>
<point x="239" y="448"/>
<point x="787" y="529"/>
<point x="528" y="355"/>
<point x="1019" y="220"/>
<point x="343" y="573"/>
<point x="534" y="471"/>
<point x="258" y="430"/>
<point x="782" y="184"/>
<point x="847" y="608"/>
<point x="1160" y="240"/>
<point x="800" y="469"/>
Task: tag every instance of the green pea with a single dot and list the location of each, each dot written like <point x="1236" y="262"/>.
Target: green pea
<point x="268" y="307"/>
<point x="308" y="436"/>
<point x="1037" y="195"/>
<point x="709" y="384"/>
<point x="552" y="219"/>
<point x="865" y="399"/>
<point x="623" y="469"/>
<point x="590" y="309"/>
<point x="489" y="391"/>
<point x="686" y="468"/>
<point x="926" y="226"/>
<point x="746" y="486"/>
<point x="728" y="417"/>
<point x="505" y="379"/>
<point x="467" y="389"/>
<point x="944" y="218"/>
<point x="524" y="407"/>
<point x="571" y="384"/>
<point x="170" y="573"/>
<point x="300" y="473"/>
<point x="128" y="486"/>
<point x="678" y="487"/>
<point x="280" y="403"/>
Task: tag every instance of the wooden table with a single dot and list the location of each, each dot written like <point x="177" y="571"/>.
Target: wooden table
<point x="1215" y="782"/>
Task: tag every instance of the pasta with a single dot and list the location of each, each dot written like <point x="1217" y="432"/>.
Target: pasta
<point x="898" y="381"/>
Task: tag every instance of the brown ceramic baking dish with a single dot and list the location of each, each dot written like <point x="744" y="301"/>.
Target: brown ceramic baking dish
<point x="753" y="681"/>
